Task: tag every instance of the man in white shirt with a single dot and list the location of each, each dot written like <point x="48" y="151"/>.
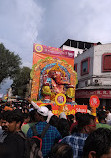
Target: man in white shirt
<point x="108" y="118"/>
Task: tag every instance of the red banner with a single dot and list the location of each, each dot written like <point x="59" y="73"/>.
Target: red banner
<point x="81" y="108"/>
<point x="72" y="109"/>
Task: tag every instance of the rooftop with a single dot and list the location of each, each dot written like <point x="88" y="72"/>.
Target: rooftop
<point x="95" y="87"/>
<point x="79" y="44"/>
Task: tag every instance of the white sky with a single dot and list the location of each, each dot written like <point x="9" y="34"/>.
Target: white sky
<point x="51" y="23"/>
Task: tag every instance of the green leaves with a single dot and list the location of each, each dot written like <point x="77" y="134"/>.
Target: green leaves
<point x="10" y="67"/>
<point x="9" y="63"/>
<point x="21" y="81"/>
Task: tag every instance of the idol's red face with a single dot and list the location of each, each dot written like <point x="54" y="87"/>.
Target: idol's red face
<point x="52" y="74"/>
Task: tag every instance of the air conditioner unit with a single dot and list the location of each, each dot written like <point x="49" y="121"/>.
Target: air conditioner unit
<point x="87" y="82"/>
<point x="97" y="82"/>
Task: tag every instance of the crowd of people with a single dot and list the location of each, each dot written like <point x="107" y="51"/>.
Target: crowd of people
<point x="74" y="136"/>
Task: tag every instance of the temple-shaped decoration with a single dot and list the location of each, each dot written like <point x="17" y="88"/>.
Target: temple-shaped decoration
<point x="52" y="76"/>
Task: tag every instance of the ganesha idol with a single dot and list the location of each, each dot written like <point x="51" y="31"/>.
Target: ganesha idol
<point x="56" y="81"/>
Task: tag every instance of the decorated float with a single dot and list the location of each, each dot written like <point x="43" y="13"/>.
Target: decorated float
<point x="54" y="79"/>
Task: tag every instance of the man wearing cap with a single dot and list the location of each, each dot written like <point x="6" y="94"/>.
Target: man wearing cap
<point x="52" y="135"/>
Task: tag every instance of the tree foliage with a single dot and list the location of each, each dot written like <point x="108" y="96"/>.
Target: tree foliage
<point x="9" y="63"/>
<point x="19" y="86"/>
<point x="10" y="67"/>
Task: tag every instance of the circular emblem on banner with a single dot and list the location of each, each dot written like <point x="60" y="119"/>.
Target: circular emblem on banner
<point x="38" y="48"/>
<point x="60" y="99"/>
<point x="94" y="101"/>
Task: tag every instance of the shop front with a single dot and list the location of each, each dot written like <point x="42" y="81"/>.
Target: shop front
<point x="83" y="95"/>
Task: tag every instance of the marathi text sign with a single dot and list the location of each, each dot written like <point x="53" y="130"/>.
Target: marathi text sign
<point x="52" y="51"/>
<point x="42" y="51"/>
<point x="87" y="93"/>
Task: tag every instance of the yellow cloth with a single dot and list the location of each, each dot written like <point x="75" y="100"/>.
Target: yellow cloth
<point x="70" y="92"/>
<point x="46" y="90"/>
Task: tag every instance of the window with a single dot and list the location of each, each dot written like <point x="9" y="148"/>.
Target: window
<point x="106" y="62"/>
<point x="75" y="67"/>
<point x="85" y="66"/>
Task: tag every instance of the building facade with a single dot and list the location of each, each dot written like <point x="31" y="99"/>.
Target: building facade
<point x="93" y="67"/>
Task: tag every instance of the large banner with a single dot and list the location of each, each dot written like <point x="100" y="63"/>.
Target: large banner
<point x="41" y="52"/>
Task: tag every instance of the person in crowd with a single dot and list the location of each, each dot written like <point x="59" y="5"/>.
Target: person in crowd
<point x="31" y="107"/>
<point x="98" y="144"/>
<point x="4" y="125"/>
<point x="63" y="127"/>
<point x="102" y="120"/>
<point x="32" y="122"/>
<point x="17" y="110"/>
<point x="1" y="130"/>
<point x="52" y="135"/>
<point x="5" y="151"/>
<point x="25" y="110"/>
<point x="62" y="115"/>
<point x="26" y="117"/>
<point x="35" y="106"/>
<point x="61" y="150"/>
<point x="17" y="118"/>
<point x="11" y="124"/>
<point x="54" y="120"/>
<point x="50" y="114"/>
<point x="108" y="118"/>
<point x="70" y="119"/>
<point x="74" y="125"/>
<point x="85" y="125"/>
